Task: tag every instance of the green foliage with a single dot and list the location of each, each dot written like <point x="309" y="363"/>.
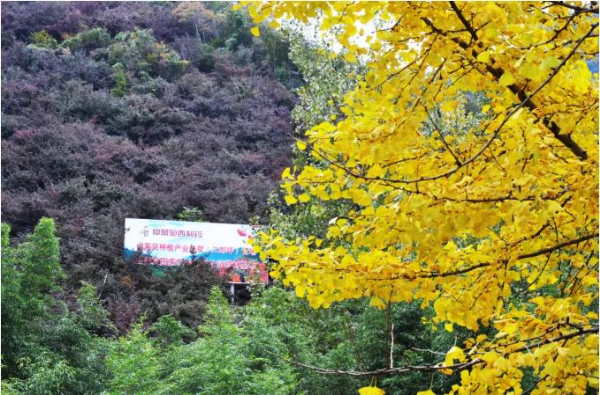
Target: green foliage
<point x="219" y="362"/>
<point x="327" y="76"/>
<point x="222" y="362"/>
<point x="5" y="235"/>
<point x="40" y="257"/>
<point x="135" y="364"/>
<point x="239" y="351"/>
<point x="139" y="52"/>
<point x="275" y="47"/>
<point x="348" y="336"/>
<point x="192" y="214"/>
<point x="169" y="331"/>
<point x="237" y="28"/>
<point x="43" y="39"/>
<point x="120" y="78"/>
<point x="91" y="315"/>
<point x="46" y="349"/>
<point x="204" y="58"/>
<point x="88" y="40"/>
<point x="327" y="79"/>
<point x="29" y="274"/>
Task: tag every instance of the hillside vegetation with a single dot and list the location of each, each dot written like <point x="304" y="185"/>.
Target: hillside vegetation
<point x="143" y="110"/>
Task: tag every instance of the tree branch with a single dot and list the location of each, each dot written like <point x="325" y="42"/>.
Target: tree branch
<point x="433" y="368"/>
<point x="577" y="9"/>
<point x="557" y="247"/>
<point x="464" y="20"/>
<point x="486" y="264"/>
<point x="439" y="130"/>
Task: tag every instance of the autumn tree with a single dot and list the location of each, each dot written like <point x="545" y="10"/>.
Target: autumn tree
<point x="485" y="210"/>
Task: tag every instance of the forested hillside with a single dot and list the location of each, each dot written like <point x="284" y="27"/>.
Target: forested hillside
<point x="146" y="110"/>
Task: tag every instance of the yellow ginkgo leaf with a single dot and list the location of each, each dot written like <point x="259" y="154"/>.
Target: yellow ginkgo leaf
<point x="304" y="198"/>
<point x="350" y="57"/>
<point x="484" y="57"/>
<point x="289" y="199"/>
<point x="371" y="391"/>
<point x="255" y="31"/>
<point x="455" y="353"/>
<point x="507" y="79"/>
<point x="301" y="145"/>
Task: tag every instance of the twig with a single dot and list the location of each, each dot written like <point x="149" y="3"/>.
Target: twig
<point x="392" y="347"/>
<point x="439" y="130"/>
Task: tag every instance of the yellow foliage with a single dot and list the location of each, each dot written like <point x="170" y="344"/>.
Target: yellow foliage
<point x="371" y="391"/>
<point x="479" y="213"/>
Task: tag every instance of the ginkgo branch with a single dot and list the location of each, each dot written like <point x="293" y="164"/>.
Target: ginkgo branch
<point x="558" y="246"/>
<point x="420" y="275"/>
<point x="575" y="8"/>
<point x="438" y="367"/>
<point x="520" y="257"/>
<point x="464" y="20"/>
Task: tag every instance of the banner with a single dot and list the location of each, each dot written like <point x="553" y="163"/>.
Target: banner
<point x="175" y="243"/>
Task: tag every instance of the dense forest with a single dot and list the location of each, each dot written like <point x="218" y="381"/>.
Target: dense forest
<point x="424" y="177"/>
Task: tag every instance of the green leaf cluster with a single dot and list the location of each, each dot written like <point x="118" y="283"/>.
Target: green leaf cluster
<point x="46" y="348"/>
<point x="221" y="361"/>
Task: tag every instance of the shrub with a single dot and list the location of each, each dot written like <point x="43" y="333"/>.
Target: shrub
<point x="43" y="40"/>
<point x="87" y="40"/>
